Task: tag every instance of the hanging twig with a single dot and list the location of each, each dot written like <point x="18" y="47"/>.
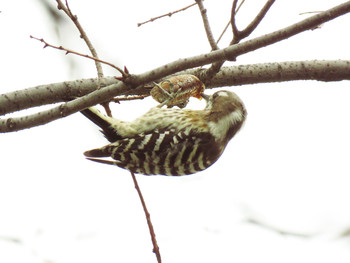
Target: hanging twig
<point x="148" y="218"/>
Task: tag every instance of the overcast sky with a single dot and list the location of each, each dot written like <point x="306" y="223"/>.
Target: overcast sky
<point x="288" y="168"/>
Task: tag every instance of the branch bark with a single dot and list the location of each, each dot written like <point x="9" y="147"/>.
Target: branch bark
<point x="320" y="70"/>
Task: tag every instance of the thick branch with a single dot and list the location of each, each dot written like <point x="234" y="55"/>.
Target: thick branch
<point x="321" y="70"/>
<point x="327" y="70"/>
<point x="65" y="109"/>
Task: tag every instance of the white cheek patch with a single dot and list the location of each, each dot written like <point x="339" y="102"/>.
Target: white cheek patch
<point x="223" y="93"/>
<point x="220" y="128"/>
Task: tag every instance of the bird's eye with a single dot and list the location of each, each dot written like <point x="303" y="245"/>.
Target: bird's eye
<point x="215" y="95"/>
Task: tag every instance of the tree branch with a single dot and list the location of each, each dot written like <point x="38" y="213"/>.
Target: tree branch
<point x="93" y="51"/>
<point x="134" y="81"/>
<point x="321" y="70"/>
<point x="326" y="70"/>
<point x="215" y="67"/>
<point x="207" y="28"/>
<point x="239" y="35"/>
<point x="83" y="35"/>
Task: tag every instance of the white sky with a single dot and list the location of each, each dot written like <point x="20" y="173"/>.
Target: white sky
<point x="287" y="168"/>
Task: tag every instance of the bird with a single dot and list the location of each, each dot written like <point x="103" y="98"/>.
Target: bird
<point x="170" y="141"/>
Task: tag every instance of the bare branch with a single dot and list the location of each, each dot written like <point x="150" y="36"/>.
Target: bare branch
<point x="239" y="35"/>
<point x="320" y="70"/>
<point x="68" y="51"/>
<point x="133" y="81"/>
<point x="256" y="21"/>
<point x="168" y="14"/>
<point x="65" y="109"/>
<point x="83" y="35"/>
<point x="215" y="67"/>
<point x="233" y="21"/>
<point x="208" y="31"/>
<point x="148" y="218"/>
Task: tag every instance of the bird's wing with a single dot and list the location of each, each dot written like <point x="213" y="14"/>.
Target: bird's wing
<point x="163" y="153"/>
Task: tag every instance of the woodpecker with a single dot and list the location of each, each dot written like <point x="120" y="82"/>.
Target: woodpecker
<point x="170" y="141"/>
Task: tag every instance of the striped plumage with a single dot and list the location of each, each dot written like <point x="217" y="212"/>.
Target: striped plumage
<point x="170" y="141"/>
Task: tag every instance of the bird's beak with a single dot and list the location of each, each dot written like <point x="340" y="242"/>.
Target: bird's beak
<point x="205" y="96"/>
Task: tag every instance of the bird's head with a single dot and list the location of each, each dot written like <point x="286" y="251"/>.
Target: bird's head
<point x="225" y="113"/>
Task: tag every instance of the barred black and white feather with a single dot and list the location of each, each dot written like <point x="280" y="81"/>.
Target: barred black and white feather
<point x="170" y="141"/>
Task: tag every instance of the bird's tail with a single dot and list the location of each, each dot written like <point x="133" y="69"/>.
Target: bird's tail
<point x="104" y="122"/>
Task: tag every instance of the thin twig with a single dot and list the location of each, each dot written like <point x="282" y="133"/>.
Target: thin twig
<point x="256" y="21"/>
<point x="223" y="31"/>
<point x="46" y="44"/>
<point x="139" y="97"/>
<point x="310" y="12"/>
<point x="237" y="35"/>
<point x="208" y="31"/>
<point x="215" y="67"/>
<point x="83" y="35"/>
<point x="148" y="218"/>
<point x="168" y="14"/>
